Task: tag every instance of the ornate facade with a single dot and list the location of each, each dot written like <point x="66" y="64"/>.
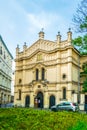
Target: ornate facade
<point x="48" y="71"/>
<point x="5" y="73"/>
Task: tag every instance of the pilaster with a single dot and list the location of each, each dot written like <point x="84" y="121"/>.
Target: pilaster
<point x="46" y="100"/>
<point x="31" y="99"/>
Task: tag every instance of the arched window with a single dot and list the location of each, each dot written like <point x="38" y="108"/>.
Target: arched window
<point x="43" y="73"/>
<point x="51" y="101"/>
<point x="64" y="93"/>
<point x="19" y="94"/>
<point x="27" y="101"/>
<point x="37" y="74"/>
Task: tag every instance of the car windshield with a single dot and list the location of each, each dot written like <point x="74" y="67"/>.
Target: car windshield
<point x="63" y="104"/>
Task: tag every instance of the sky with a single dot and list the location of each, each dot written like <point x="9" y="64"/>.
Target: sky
<point x="22" y="20"/>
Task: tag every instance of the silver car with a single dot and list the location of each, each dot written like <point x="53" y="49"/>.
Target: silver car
<point x="65" y="106"/>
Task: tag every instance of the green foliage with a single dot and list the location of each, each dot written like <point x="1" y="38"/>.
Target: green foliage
<point x="80" y="23"/>
<point x="80" y="17"/>
<point x="80" y="126"/>
<point x="81" y="44"/>
<point x="77" y="41"/>
<point x="85" y="86"/>
<point x="84" y="67"/>
<point x="84" y="24"/>
<point x="33" y="119"/>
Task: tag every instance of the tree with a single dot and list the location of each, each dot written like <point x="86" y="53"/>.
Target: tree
<point x="84" y="67"/>
<point x="80" y="23"/>
<point x="85" y="86"/>
<point x="81" y="43"/>
<point x="80" y="18"/>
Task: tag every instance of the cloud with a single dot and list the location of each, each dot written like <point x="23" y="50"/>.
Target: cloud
<point x="21" y="21"/>
<point x="51" y="22"/>
<point x="44" y="20"/>
<point x="39" y="20"/>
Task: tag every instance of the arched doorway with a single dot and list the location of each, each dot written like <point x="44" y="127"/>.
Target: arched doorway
<point x="51" y="101"/>
<point x="40" y="99"/>
<point x="27" y="101"/>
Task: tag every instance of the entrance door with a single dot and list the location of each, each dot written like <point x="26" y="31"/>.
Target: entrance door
<point x="27" y="101"/>
<point x="52" y="101"/>
<point x="40" y="99"/>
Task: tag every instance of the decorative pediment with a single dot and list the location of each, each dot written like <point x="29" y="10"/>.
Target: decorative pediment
<point x="39" y="65"/>
<point x="40" y="45"/>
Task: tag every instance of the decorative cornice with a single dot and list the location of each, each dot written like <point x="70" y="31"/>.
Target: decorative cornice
<point x="46" y="64"/>
<point x="45" y="82"/>
<point x="24" y="57"/>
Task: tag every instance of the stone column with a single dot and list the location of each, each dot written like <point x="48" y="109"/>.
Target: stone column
<point x="34" y="75"/>
<point x="69" y="93"/>
<point x="40" y="73"/>
<point x="58" y="96"/>
<point x="23" y="82"/>
<point x="32" y="96"/>
<point x="69" y="65"/>
<point x="69" y="72"/>
<point x="75" y="97"/>
<point x="22" y="101"/>
<point x="82" y="98"/>
<point x="58" y="69"/>
<point x="45" y="74"/>
<point x="46" y="100"/>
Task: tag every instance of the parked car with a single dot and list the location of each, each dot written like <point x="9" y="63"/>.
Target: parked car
<point x="65" y="106"/>
<point x="7" y="105"/>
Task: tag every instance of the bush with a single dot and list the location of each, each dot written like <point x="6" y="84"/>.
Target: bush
<point x="33" y="119"/>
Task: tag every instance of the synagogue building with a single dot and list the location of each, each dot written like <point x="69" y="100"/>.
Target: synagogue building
<point x="48" y="72"/>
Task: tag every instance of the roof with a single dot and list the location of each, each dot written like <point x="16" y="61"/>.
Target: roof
<point x="5" y="46"/>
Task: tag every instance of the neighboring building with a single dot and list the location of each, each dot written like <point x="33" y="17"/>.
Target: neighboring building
<point x="5" y="73"/>
<point x="47" y="71"/>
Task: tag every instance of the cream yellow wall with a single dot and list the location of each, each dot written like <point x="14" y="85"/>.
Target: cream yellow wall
<point x="19" y="75"/>
<point x="75" y="55"/>
<point x="75" y="73"/>
<point x="51" y="74"/>
<point x="64" y="70"/>
<point x="28" y="76"/>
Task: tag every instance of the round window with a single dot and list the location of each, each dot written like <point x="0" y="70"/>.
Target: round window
<point x="64" y="76"/>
